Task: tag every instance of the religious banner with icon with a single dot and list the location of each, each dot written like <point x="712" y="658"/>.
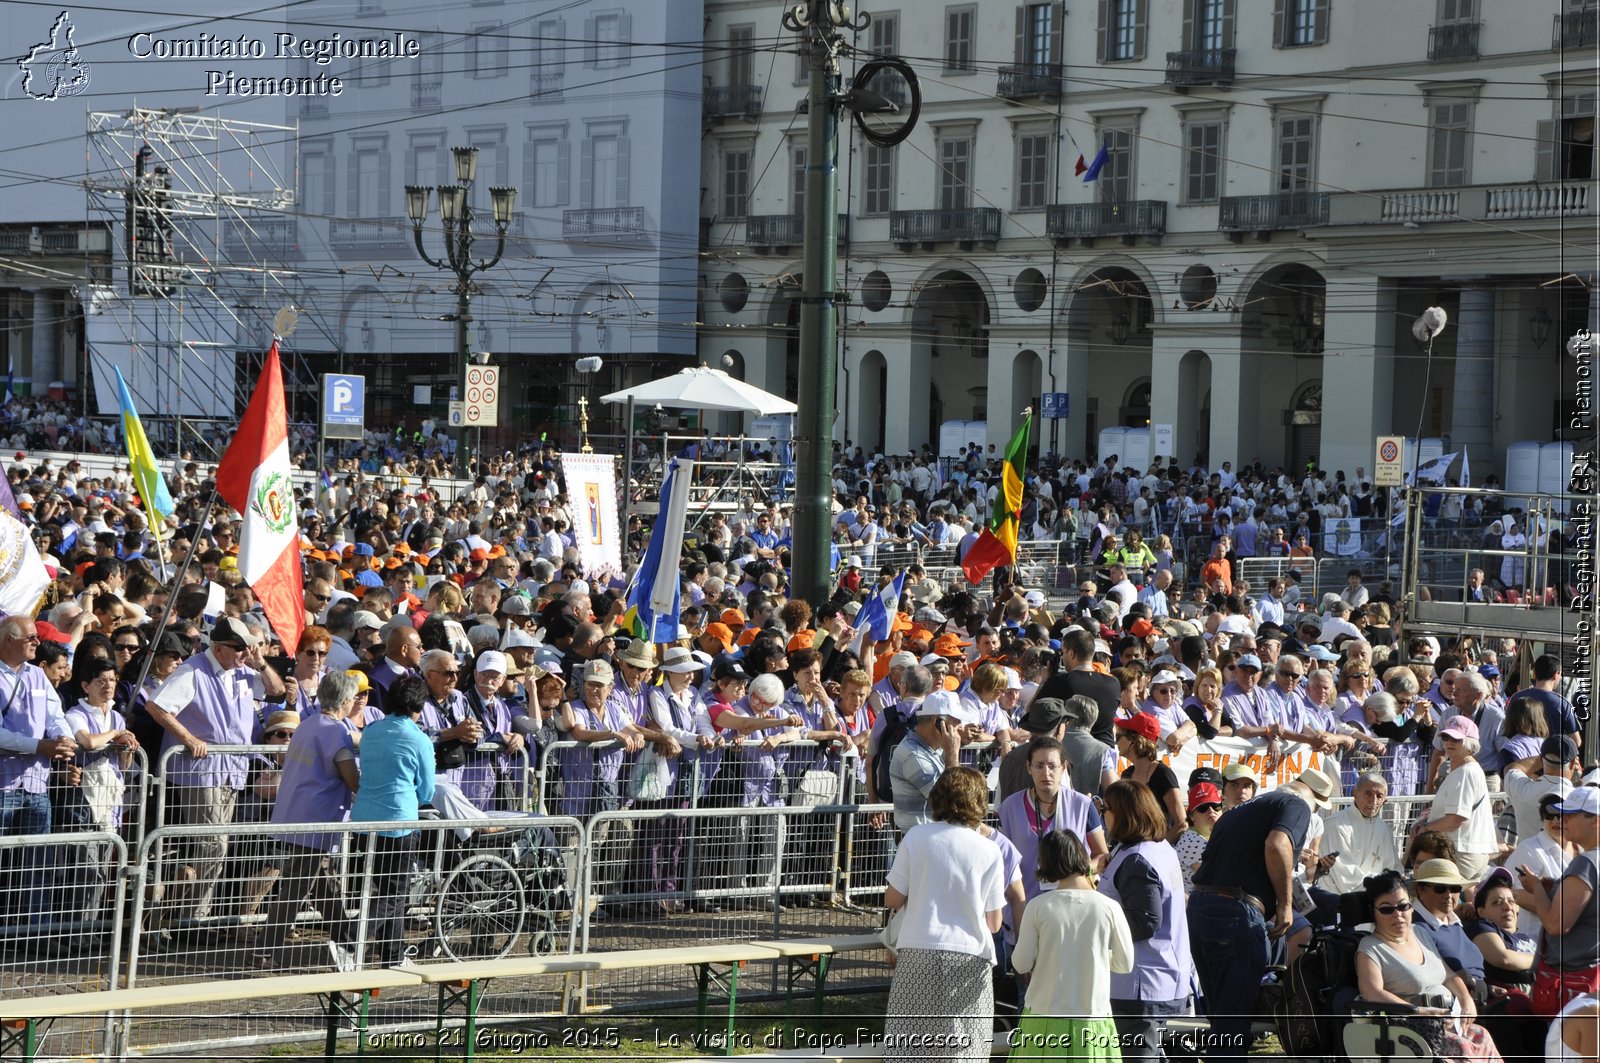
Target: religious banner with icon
<point x="592" y="487"/>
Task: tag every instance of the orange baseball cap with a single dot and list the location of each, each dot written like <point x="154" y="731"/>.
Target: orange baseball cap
<point x="401" y="548"/>
<point x="919" y="634"/>
<point x="901" y="623"/>
<point x="801" y="640"/>
<point x="951" y="683"/>
<point x="479" y="554"/>
<point x="733" y="618"/>
<point x="393" y="563"/>
<point x="496" y="551"/>
<point x="949" y="645"/>
<point x="749" y="635"/>
<point x="721" y="633"/>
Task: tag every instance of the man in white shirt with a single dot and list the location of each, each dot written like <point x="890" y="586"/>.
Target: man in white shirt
<point x="1336" y="622"/>
<point x="1527" y="781"/>
<point x="1358" y="840"/>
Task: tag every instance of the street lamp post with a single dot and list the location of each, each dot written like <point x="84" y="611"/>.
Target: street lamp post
<point x="456" y="215"/>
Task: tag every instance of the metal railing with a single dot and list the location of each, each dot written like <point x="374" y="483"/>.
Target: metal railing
<point x="1453" y="41"/>
<point x="1576" y="29"/>
<point x="1278" y="210"/>
<point x="605" y="223"/>
<point x="1031" y="79"/>
<point x="267" y="238"/>
<point x="426" y="94"/>
<point x="365" y="235"/>
<point x="1141" y="217"/>
<point x="1201" y="66"/>
<point x="547" y="85"/>
<point x="780" y="232"/>
<point x="962" y="225"/>
<point x="731" y="101"/>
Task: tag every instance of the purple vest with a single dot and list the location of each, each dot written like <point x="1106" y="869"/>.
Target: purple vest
<point x="437" y="716"/>
<point x="28" y="713"/>
<point x="222" y="713"/>
<point x="312" y="790"/>
<point x="1018" y="824"/>
<point x="1162" y="964"/>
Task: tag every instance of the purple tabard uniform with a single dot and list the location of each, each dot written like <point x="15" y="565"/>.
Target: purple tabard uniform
<point x="312" y="790"/>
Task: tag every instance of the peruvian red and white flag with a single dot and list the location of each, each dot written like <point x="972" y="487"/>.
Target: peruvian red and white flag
<point x="254" y="478"/>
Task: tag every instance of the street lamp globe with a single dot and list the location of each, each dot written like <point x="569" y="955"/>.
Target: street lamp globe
<point x="417" y="197"/>
<point x="503" y="201"/>
<point x="466" y="164"/>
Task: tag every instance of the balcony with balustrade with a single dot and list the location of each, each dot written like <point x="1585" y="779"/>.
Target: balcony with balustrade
<point x="605" y="225"/>
<point x="1030" y="81"/>
<point x="546" y="86"/>
<point x="1453" y="41"/>
<point x="1087" y="222"/>
<point x="1415" y="207"/>
<point x="1201" y="66"/>
<point x="778" y="234"/>
<point x="966" y="227"/>
<point x="426" y="95"/>
<point x="1576" y="29"/>
<point x="1277" y="211"/>
<point x="731" y="101"/>
<point x="362" y="238"/>
<point x="262" y="239"/>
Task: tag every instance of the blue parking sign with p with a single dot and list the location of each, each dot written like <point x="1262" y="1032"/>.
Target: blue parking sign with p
<point x="343" y="405"/>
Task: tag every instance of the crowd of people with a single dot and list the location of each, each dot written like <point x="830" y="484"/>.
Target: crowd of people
<point x="1019" y="736"/>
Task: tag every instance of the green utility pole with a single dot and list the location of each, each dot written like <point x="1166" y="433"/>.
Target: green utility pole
<point x="820" y="22"/>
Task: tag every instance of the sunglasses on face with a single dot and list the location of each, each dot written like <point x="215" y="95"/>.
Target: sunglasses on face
<point x="1435" y="887"/>
<point x="1209" y="808"/>
<point x="278" y="734"/>
<point x="1392" y="909"/>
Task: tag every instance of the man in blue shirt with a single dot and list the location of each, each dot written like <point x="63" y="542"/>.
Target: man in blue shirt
<point x="396" y="780"/>
<point x="1558" y="715"/>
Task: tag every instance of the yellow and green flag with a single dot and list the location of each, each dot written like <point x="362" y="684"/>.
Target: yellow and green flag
<point x="147" y="476"/>
<point x="998" y="544"/>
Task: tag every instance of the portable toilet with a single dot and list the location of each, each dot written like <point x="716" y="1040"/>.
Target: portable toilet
<point x="1113" y="440"/>
<point x="953" y="438"/>
<point x="1522" y="471"/>
<point x="1555" y="472"/>
<point x="1135" y="450"/>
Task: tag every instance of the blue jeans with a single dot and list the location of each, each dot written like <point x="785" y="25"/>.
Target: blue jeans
<point x="1141" y="1024"/>
<point x="1231" y="951"/>
<point x="23" y="813"/>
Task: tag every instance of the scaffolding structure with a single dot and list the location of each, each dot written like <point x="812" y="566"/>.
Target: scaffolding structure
<point x="201" y="208"/>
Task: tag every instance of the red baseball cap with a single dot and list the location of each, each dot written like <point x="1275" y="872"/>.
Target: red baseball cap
<point x="1142" y="723"/>
<point x="51" y="633"/>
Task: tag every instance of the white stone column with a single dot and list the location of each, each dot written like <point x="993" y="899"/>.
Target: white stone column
<point x="1002" y="418"/>
<point x="906" y="425"/>
<point x="46" y="339"/>
<point x="1235" y="398"/>
<point x="1072" y="377"/>
<point x="1174" y="398"/>
<point x="1358" y="372"/>
<point x="1472" y="399"/>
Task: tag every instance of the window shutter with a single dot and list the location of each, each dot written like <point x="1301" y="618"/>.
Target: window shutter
<point x="352" y="203"/>
<point x="563" y="173"/>
<point x="1058" y="32"/>
<point x="1229" y="10"/>
<point x="1189" y="39"/>
<point x="622" y="171"/>
<point x="1021" y="48"/>
<point x="586" y="176"/>
<point x="1544" y="151"/>
<point x="328" y="184"/>
<point x="1141" y="27"/>
<point x="1280" y="23"/>
<point x="380" y="209"/>
<point x="530" y="173"/>
<point x="591" y="47"/>
<point x="1319" y="28"/>
<point x="625" y="41"/>
<point x="502" y="52"/>
<point x="1102" y="32"/>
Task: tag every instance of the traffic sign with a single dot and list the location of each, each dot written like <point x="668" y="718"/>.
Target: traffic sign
<point x="1388" y="470"/>
<point x="1053" y="404"/>
<point x="458" y="414"/>
<point x="343" y="405"/>
<point x="482" y="397"/>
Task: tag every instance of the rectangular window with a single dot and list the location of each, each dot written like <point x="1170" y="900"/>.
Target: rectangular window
<point x="1449" y="132"/>
<point x="955" y="173"/>
<point x="1116" y="180"/>
<point x="1208" y="26"/>
<point x="604" y="172"/>
<point x="958" y="40"/>
<point x="878" y="182"/>
<point x="883" y="38"/>
<point x="549" y="58"/>
<point x="1122" y="36"/>
<point x="741" y="45"/>
<point x="489" y="52"/>
<point x="545" y="176"/>
<point x="1458" y="11"/>
<point x="493" y="168"/>
<point x="611" y="49"/>
<point x="1038" y="34"/>
<point x="1296" y="23"/>
<point x="316" y="183"/>
<point x="1296" y="153"/>
<point x="735" y="183"/>
<point x="1033" y="171"/>
<point x="797" y="178"/>
<point x="1202" y="162"/>
<point x="366" y="184"/>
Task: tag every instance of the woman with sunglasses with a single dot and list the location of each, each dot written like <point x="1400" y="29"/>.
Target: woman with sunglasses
<point x="1395" y="965"/>
<point x="105" y="754"/>
<point x="310" y="663"/>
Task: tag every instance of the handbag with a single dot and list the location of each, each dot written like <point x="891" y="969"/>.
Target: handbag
<point x="890" y="934"/>
<point x="1471" y="1042"/>
<point x="1553" y="988"/>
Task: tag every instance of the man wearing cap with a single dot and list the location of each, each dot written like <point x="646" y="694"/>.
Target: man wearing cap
<point x="932" y="745"/>
<point x="33" y="732"/>
<point x="446" y="719"/>
<point x="1437" y="888"/>
<point x="213" y="698"/>
<point x="888" y="691"/>
<point x="1246" y="706"/>
<point x="1527" y="781"/>
<point x="494" y="782"/>
<point x="1166" y="705"/>
<point x="589" y="778"/>
<point x="1461" y="807"/>
<point x="1240" y="907"/>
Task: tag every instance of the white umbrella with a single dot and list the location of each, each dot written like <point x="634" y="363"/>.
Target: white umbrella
<point x="703" y="388"/>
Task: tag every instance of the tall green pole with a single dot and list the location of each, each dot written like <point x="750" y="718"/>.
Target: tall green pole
<point x="813" y="512"/>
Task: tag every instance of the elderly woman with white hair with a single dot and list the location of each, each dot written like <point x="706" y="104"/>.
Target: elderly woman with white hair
<point x="1461" y="807"/>
<point x="761" y="728"/>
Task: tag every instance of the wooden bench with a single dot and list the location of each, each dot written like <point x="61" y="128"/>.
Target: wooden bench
<point x="347" y="996"/>
<point x="717" y="965"/>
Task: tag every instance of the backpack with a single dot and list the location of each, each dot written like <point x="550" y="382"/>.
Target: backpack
<point x="895" y="727"/>
<point x="1320" y="987"/>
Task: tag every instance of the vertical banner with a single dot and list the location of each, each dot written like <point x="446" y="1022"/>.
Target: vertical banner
<point x="592" y="487"/>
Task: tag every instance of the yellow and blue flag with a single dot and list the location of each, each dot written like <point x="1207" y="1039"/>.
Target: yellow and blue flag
<point x="142" y="462"/>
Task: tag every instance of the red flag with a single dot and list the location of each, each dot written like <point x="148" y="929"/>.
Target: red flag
<point x="1078" y="170"/>
<point x="985" y="555"/>
<point x="254" y="478"/>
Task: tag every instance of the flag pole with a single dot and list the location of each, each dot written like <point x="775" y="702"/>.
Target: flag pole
<point x="172" y="595"/>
